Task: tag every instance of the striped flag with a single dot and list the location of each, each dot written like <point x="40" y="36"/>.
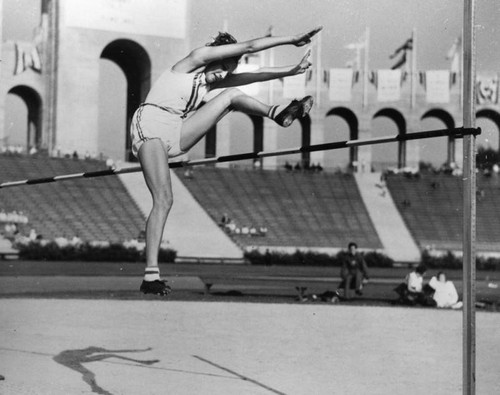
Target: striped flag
<point x="27" y="59"/>
<point x="454" y="55"/>
<point x="407" y="46"/>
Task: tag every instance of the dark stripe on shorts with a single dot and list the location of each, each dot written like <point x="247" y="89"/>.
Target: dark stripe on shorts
<point x="138" y="124"/>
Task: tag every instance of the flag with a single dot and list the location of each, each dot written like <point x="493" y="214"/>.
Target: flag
<point x="454" y="55"/>
<point x="487" y="89"/>
<point x="27" y="58"/>
<point x="340" y="86"/>
<point x="388" y="85"/>
<point x="407" y="46"/>
<point x="437" y="86"/>
<point x="401" y="62"/>
<point x="19" y="65"/>
<point x="357" y="46"/>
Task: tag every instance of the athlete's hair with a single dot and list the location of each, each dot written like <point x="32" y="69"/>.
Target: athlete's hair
<point x="352" y="244"/>
<point x="222" y="38"/>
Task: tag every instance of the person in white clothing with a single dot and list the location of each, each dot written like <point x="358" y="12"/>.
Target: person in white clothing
<point x="445" y="293"/>
<point x="411" y="291"/>
<point x="172" y="119"/>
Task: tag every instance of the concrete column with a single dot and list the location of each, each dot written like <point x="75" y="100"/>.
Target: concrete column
<point x="364" y="162"/>
<point x="317" y="135"/>
<point x="223" y="140"/>
<point x="270" y="143"/>
<point x="412" y="147"/>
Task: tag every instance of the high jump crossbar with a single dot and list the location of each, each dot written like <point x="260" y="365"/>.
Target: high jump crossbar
<point x="455" y="133"/>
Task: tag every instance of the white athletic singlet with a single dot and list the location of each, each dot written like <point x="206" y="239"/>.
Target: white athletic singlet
<point x="171" y="99"/>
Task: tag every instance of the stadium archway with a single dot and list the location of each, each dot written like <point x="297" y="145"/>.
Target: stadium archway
<point x="488" y="134"/>
<point x="135" y="63"/>
<point x="398" y="118"/>
<point x="305" y="124"/>
<point x="335" y="133"/>
<point x="30" y="135"/>
<point x="449" y="123"/>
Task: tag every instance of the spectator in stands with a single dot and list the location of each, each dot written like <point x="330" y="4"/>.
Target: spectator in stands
<point x="354" y="272"/>
<point x="32" y="235"/>
<point x="445" y="294"/>
<point x="288" y="166"/>
<point x="224" y="220"/>
<point x="76" y="241"/>
<point x="412" y="290"/>
<point x="110" y="164"/>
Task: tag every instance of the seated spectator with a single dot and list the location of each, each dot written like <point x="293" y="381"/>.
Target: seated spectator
<point x="230" y="226"/>
<point x="76" y="241"/>
<point x="445" y="294"/>
<point x="110" y="164"/>
<point x="354" y="272"/>
<point x="61" y="241"/>
<point x="253" y="231"/>
<point x="224" y="220"/>
<point x="288" y="166"/>
<point x="245" y="230"/>
<point x="412" y="291"/>
<point x="32" y="235"/>
<point x="262" y="230"/>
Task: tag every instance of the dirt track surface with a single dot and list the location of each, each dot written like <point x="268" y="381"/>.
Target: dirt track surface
<point x="57" y="346"/>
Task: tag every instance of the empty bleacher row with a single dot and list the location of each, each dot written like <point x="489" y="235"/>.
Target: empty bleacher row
<point x="92" y="209"/>
<point x="431" y="206"/>
<point x="298" y="209"/>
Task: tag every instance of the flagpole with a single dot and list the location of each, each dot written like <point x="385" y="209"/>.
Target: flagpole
<point x="365" y="67"/>
<point x="270" y="94"/>
<point x="413" y="68"/>
<point x="318" y="70"/>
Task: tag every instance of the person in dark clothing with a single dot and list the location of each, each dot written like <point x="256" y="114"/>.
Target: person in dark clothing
<point x="354" y="272"/>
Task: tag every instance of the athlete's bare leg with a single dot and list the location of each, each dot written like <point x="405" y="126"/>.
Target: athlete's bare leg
<point x="153" y="157"/>
<point x="196" y="126"/>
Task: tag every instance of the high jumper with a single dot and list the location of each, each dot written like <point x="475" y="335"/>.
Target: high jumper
<point x="172" y="120"/>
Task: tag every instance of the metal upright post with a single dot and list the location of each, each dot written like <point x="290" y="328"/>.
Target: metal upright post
<point x="469" y="204"/>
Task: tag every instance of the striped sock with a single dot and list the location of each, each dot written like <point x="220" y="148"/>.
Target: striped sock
<point x="272" y="112"/>
<point x="152" y="274"/>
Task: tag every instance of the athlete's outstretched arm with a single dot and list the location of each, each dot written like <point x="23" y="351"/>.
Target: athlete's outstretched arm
<point x="205" y="55"/>
<point x="263" y="74"/>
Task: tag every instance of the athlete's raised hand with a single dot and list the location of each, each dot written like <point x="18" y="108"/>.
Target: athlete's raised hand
<point x="304" y="64"/>
<point x="305" y="38"/>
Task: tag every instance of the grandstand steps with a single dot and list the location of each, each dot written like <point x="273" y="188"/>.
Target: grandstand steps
<point x="189" y="229"/>
<point x="97" y="209"/>
<point x="310" y="211"/>
<point x="391" y="229"/>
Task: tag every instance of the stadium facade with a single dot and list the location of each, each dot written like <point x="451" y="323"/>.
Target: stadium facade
<point x="60" y="76"/>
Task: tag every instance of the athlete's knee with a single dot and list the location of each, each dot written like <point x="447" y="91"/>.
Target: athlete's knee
<point x="163" y="200"/>
<point x="233" y="93"/>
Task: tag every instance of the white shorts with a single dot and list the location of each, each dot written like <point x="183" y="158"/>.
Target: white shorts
<point x="155" y="122"/>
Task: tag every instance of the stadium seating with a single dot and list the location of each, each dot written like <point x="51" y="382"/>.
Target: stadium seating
<point x="92" y="209"/>
<point x="432" y="209"/>
<point x="299" y="209"/>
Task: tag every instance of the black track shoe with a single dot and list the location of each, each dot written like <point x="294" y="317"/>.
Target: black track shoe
<point x="157" y="287"/>
<point x="296" y="109"/>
